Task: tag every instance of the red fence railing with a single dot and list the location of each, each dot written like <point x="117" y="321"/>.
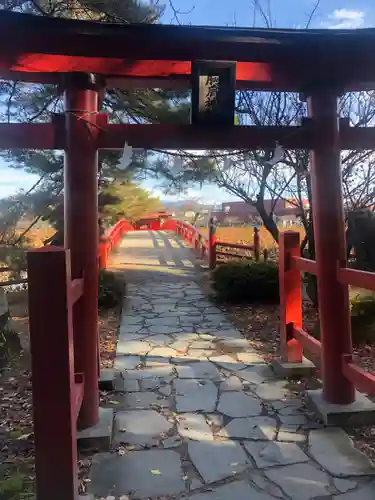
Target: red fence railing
<point x="111" y="238"/>
<point x="195" y="238"/>
<point x="57" y="390"/>
<point x="292" y="336"/>
<point x="210" y="248"/>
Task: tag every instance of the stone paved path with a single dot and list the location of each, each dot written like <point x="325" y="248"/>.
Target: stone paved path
<point x="199" y="414"/>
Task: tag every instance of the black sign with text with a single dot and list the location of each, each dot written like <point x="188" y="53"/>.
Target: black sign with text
<point x="213" y="92"/>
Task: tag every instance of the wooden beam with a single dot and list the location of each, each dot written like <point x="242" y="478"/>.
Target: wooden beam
<point x="30" y="136"/>
<point x="161" y="136"/>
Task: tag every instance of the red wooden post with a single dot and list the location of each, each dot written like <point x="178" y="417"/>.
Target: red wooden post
<point x="212" y="244"/>
<point x="81" y="228"/>
<point x="52" y="363"/>
<point x="256" y="243"/>
<point x="103" y="254"/>
<point x="290" y="296"/>
<point x="329" y="233"/>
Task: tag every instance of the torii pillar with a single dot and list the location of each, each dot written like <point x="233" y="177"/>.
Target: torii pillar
<point x="330" y="248"/>
<point x="81" y="228"/>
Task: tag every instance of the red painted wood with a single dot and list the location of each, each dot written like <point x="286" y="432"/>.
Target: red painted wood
<point x="212" y="245"/>
<point x="307" y="341"/>
<point x="77" y="287"/>
<point x="81" y="235"/>
<point x="362" y="380"/>
<point x="330" y="248"/>
<point x="290" y="291"/>
<point x="113" y="136"/>
<point x="103" y="253"/>
<point x="354" y="277"/>
<point x="52" y="363"/>
<point x="55" y="63"/>
<point x="169" y="225"/>
<point x="78" y="391"/>
<point x="29" y="136"/>
<point x="304" y="265"/>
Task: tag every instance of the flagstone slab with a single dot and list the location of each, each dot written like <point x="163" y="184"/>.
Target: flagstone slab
<point x="239" y="404"/>
<point x="227" y="362"/>
<point x="239" y="490"/>
<point x="256" y="374"/>
<point x="143" y="474"/>
<point x="217" y="460"/>
<point x="195" y="395"/>
<point x="194" y="426"/>
<point x="201" y="369"/>
<point x="135" y="347"/>
<point x="232" y="383"/>
<point x="301" y="481"/>
<point x="142" y="427"/>
<point x="144" y="400"/>
<point x="126" y="362"/>
<point x="255" y="428"/>
<point x="333" y="449"/>
<point x="271" y="454"/>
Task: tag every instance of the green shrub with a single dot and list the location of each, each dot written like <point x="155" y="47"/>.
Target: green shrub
<point x="247" y="282"/>
<point x="16" y="487"/>
<point x="112" y="289"/>
<point x="362" y="308"/>
<point x="362" y="319"/>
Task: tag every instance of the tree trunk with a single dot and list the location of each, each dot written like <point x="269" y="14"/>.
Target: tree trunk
<point x="267" y="220"/>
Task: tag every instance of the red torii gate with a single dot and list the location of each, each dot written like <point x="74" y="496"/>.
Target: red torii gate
<point x="320" y="64"/>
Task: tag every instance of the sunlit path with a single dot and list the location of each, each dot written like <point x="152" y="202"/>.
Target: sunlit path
<point x="154" y="255"/>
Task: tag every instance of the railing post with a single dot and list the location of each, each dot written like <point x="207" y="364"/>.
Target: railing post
<point x="290" y="297"/>
<point x="52" y="364"/>
<point x="256" y="242"/>
<point x="103" y="253"/>
<point x="212" y="244"/>
<point x="330" y="247"/>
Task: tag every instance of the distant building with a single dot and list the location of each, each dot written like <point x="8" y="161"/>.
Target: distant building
<point x="240" y="212"/>
<point x="152" y="220"/>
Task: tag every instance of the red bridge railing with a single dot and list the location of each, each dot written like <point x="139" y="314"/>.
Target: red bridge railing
<point x="57" y="389"/>
<point x="292" y="336"/>
<point x="208" y="247"/>
<point x="110" y="239"/>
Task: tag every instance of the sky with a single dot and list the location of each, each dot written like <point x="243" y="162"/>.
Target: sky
<point x="332" y="14"/>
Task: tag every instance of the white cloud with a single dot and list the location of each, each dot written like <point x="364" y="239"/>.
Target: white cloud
<point x="345" y="19"/>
